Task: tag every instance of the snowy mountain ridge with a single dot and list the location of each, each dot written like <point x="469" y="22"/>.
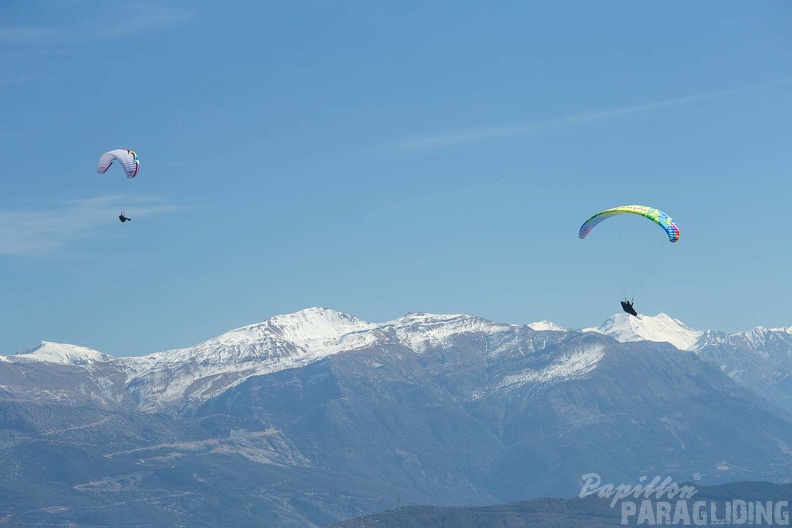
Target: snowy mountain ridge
<point x="197" y="373"/>
<point x="313" y="333"/>
<point x="279" y="343"/>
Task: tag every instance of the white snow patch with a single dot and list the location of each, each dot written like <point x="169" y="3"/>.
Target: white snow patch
<point x="541" y="326"/>
<point x="658" y="328"/>
<point x="568" y="367"/>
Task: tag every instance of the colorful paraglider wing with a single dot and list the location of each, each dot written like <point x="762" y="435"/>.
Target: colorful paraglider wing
<point x="655" y="215"/>
<point x="126" y="158"/>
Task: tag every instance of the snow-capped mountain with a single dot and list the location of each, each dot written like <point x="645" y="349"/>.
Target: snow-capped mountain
<point x="660" y="328"/>
<point x="286" y="341"/>
<point x="209" y="368"/>
<point x="421" y="331"/>
<point x="49" y="352"/>
<point x="440" y="408"/>
<point x="760" y="359"/>
<point x="194" y="374"/>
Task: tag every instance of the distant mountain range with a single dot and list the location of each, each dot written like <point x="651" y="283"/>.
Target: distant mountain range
<point x="725" y="505"/>
<point x="317" y="416"/>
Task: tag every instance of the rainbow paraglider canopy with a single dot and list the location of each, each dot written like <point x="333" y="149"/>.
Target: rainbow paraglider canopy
<point x="655" y="215"/>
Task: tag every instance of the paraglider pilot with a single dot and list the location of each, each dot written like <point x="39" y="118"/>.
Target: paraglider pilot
<point x="627" y="306"/>
<point x="123" y="218"/>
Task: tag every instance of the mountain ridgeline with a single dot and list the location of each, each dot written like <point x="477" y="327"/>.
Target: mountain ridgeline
<point x="314" y="417"/>
<point x="598" y="512"/>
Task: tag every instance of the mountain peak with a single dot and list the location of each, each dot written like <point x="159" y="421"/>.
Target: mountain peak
<point x="659" y="328"/>
<point x="65" y="354"/>
<point x="311" y="329"/>
<point x="314" y="326"/>
<point x="541" y="326"/>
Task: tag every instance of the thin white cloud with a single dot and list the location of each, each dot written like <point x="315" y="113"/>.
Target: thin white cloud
<point x="46" y="229"/>
<point x="21" y="79"/>
<point x="28" y="33"/>
<point x="143" y="17"/>
<point x="137" y="18"/>
<point x="470" y="135"/>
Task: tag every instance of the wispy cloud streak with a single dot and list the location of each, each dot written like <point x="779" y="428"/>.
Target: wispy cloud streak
<point x="28" y="33"/>
<point x="494" y="132"/>
<point x="136" y="18"/>
<point x="44" y="230"/>
<point x="142" y="17"/>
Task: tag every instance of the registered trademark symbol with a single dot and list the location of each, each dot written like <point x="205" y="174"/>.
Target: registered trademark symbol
<point x="696" y="476"/>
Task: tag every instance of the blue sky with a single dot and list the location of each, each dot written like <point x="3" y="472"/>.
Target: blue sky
<point x="380" y="158"/>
